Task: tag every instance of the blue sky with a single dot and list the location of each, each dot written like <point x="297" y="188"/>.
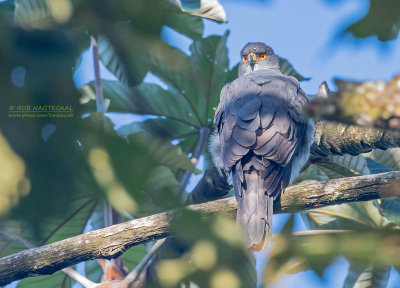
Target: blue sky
<point x="307" y="33"/>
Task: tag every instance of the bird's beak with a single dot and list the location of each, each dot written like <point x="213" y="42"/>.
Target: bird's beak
<point x="251" y="58"/>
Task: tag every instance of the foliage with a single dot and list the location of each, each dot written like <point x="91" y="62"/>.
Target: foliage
<point x="58" y="172"/>
<point x="383" y="20"/>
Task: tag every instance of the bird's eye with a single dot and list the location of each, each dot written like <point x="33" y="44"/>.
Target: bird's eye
<point x="262" y="56"/>
<point x="244" y="59"/>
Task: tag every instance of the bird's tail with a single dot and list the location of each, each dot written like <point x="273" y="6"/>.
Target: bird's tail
<point x="255" y="209"/>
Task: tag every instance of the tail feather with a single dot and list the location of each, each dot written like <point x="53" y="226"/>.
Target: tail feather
<point x="255" y="209"/>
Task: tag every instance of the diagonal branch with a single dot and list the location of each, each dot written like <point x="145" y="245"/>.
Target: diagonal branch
<point x="112" y="241"/>
<point x="85" y="282"/>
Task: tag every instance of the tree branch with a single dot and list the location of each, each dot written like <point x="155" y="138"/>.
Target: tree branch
<point x="336" y="138"/>
<point x="112" y="241"/>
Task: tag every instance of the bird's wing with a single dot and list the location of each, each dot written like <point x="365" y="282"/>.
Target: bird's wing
<point x="262" y="118"/>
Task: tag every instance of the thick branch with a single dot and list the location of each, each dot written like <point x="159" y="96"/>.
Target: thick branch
<point x="336" y="138"/>
<point x="112" y="241"/>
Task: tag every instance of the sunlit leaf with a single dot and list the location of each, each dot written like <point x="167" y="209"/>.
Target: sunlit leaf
<point x="389" y="158"/>
<point x="13" y="183"/>
<point x="210" y="9"/>
<point x="345" y="216"/>
<point x="362" y="276"/>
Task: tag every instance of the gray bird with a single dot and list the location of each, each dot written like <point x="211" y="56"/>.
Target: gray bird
<point x="262" y="140"/>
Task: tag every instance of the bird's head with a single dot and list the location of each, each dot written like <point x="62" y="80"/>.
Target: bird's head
<point x="257" y="56"/>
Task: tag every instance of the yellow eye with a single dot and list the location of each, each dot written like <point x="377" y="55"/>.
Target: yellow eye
<point x="262" y="56"/>
<point x="244" y="59"/>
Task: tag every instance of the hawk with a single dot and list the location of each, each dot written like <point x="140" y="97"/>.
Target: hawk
<point x="262" y="139"/>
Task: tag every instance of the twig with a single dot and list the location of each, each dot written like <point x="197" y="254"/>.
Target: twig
<point x="97" y="77"/>
<point x="134" y="274"/>
<point x="203" y="138"/>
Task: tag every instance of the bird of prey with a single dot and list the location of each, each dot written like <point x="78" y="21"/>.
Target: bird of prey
<point x="262" y="139"/>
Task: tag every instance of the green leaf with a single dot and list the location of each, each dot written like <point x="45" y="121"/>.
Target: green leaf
<point x="390" y="208"/>
<point x="111" y="60"/>
<point x="186" y="24"/>
<point x="165" y="153"/>
<point x="346" y="216"/>
<point x="133" y="256"/>
<point x="360" y="276"/>
<point x="32" y="13"/>
<point x="389" y="158"/>
<point x="7" y="10"/>
<point x="199" y="78"/>
<point x="52" y="230"/>
<point x="343" y="166"/>
<point x="42" y="14"/>
<point x="209" y="66"/>
<point x="58" y="279"/>
<point x="288" y="69"/>
<point x="333" y="167"/>
<point x="382" y="20"/>
<point x="210" y="9"/>
<point x="165" y="128"/>
<point x="151" y="99"/>
<point x="118" y="95"/>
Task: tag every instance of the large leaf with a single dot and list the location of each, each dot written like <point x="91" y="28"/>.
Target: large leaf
<point x="111" y="60"/>
<point x="288" y="69"/>
<point x="343" y="166"/>
<point x="33" y="13"/>
<point x="165" y="153"/>
<point x="210" y="9"/>
<point x="7" y="10"/>
<point x="363" y="276"/>
<point x="382" y="20"/>
<point x="390" y="208"/>
<point x="53" y="229"/>
<point x="200" y="77"/>
<point x="14" y="234"/>
<point x="347" y="216"/>
<point x="169" y="129"/>
<point x="389" y="158"/>
<point x="209" y="70"/>
<point x="57" y="280"/>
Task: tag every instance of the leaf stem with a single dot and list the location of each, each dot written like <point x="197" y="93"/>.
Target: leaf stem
<point x="203" y="138"/>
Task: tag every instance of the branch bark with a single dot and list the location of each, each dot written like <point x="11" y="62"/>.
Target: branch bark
<point x="112" y="241"/>
<point x="339" y="139"/>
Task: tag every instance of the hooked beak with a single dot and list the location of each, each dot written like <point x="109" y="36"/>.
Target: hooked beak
<point x="251" y="58"/>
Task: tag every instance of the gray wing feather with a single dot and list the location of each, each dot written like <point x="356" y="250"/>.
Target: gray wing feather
<point x="262" y="128"/>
